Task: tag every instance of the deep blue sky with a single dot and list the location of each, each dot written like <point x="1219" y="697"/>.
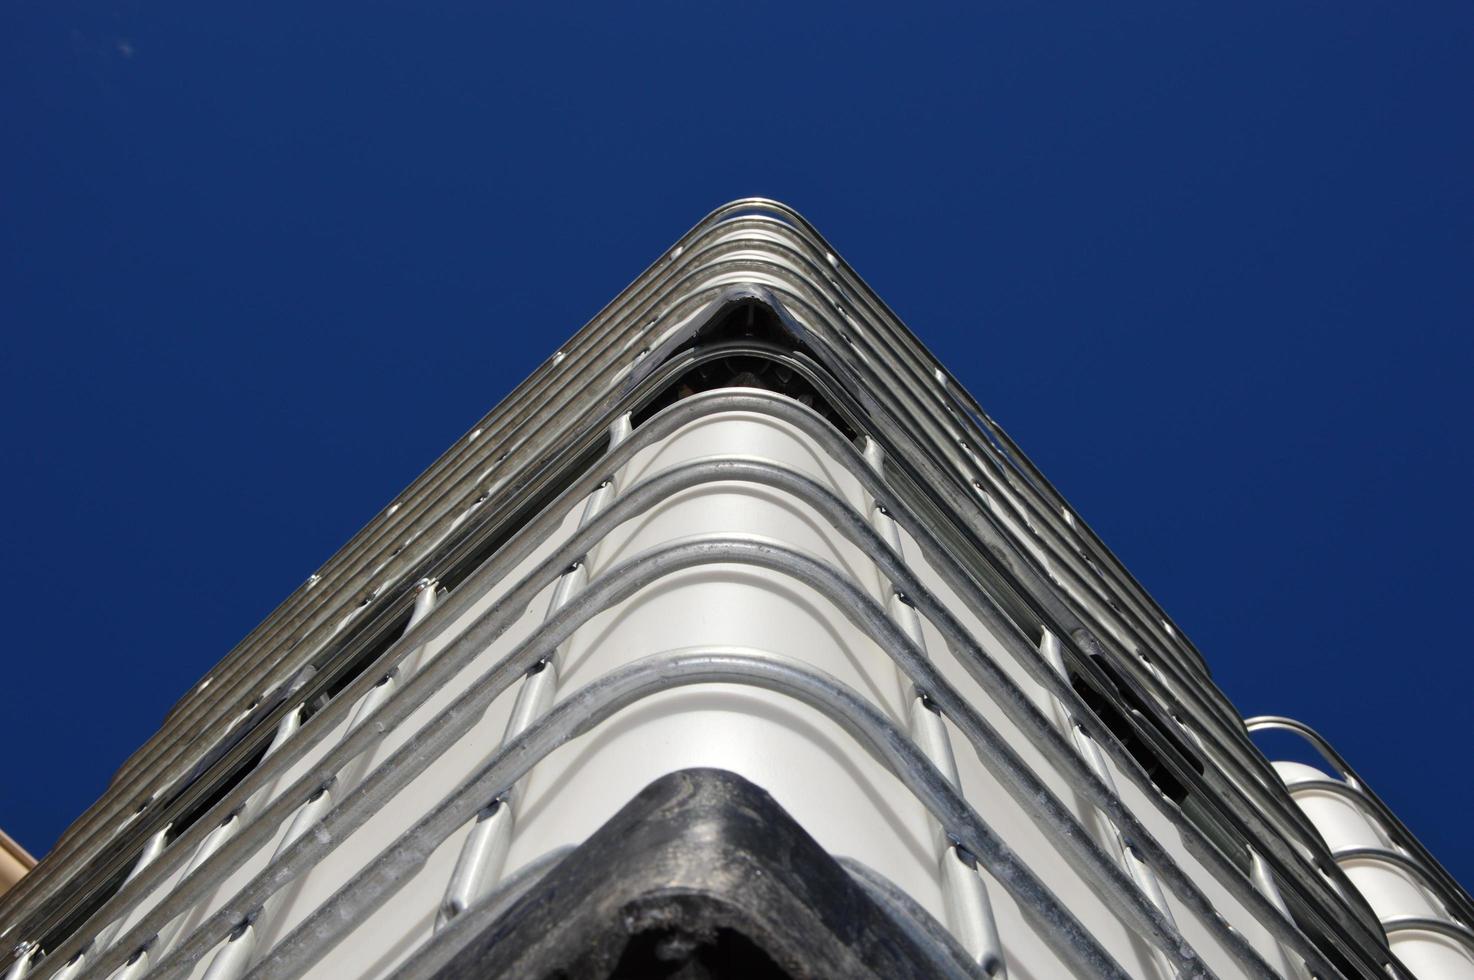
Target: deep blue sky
<point x="1209" y="263"/>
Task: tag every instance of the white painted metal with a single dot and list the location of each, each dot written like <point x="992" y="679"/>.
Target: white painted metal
<point x="1370" y="858"/>
<point x="1263" y="880"/>
<point x="242" y="947"/>
<point x="849" y="803"/>
<point x="856" y="595"/>
<point x="969" y="912"/>
<point x="484" y="853"/>
<point x="1140" y="872"/>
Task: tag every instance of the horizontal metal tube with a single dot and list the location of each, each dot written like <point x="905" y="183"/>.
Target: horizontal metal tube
<point x="1427" y="923"/>
<point x="620" y="583"/>
<point x="715" y="226"/>
<point x="799" y="220"/>
<point x="496" y="619"/>
<point x="1448" y="889"/>
<point x="622" y="318"/>
<point x="582" y="710"/>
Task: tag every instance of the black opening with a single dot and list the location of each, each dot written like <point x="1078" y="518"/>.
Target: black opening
<point x="1116" y="708"/>
<point x="745" y="371"/>
<point x="63" y="929"/>
<point x="337" y="676"/>
<point x="470" y="553"/>
<point x="759" y="326"/>
<point x="676" y="954"/>
<point x="226" y="782"/>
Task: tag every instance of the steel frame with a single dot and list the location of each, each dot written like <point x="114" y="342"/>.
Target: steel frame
<point x="941" y="439"/>
<point x="853" y="525"/>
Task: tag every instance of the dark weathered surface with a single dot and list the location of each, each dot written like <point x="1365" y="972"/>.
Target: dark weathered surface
<point x="702" y="875"/>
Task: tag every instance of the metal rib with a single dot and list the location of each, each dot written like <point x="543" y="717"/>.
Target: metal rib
<point x="1403" y="862"/>
<point x="1424" y="923"/>
<point x="240" y="948"/>
<point x="860" y="293"/>
<point x="1097" y="870"/>
<point x="1140" y="872"/>
<point x="589" y="706"/>
<point x="1449" y="891"/>
<point x="939" y="475"/>
<point x="969" y="910"/>
<point x="479" y="864"/>
<point x="765" y="208"/>
<point x="724" y="215"/>
<point x="634" y="305"/>
<point x="1053" y="612"/>
<point x="673" y="417"/>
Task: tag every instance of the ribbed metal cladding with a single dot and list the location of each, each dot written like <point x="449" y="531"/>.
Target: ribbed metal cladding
<point x="1049" y="778"/>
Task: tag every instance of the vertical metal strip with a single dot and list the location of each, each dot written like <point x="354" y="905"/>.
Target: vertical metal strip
<point x="23" y="960"/>
<point x="218" y="837"/>
<point x="151" y="850"/>
<point x="969" y="911"/>
<point x="483" y="855"/>
<point x="1263" y="880"/>
<point x="1139" y="871"/>
<point x="240" y="948"/>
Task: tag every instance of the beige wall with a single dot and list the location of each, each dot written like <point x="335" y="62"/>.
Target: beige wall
<point x="14" y="862"/>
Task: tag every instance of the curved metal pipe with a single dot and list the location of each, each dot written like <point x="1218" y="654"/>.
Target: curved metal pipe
<point x="583" y="710"/>
<point x="718" y="224"/>
<point x="504" y="610"/>
<point x="1450" y="892"/>
<point x="721" y="221"/>
<point x="631" y="311"/>
<point x="1099" y="871"/>
<point x="1424" y="923"/>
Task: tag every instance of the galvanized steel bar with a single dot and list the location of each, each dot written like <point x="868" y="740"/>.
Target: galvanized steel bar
<point x="1096" y="869"/>
<point x="1448" y="889"/>
<point x="583" y="710"/>
<point x="241" y="947"/>
<point x="243" y="665"/>
<point x="672" y="417"/>
<point x="479" y="864"/>
<point x="1425" y="923"/>
<point x="1263" y="880"/>
<point x="1140" y="872"/>
<point x="151" y="851"/>
<point x="104" y="938"/>
<point x="969" y="912"/>
<point x="713" y="224"/>
<point x="993" y="543"/>
<point x="223" y="831"/>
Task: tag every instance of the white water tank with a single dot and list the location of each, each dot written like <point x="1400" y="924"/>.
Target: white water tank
<point x="1384" y="874"/>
